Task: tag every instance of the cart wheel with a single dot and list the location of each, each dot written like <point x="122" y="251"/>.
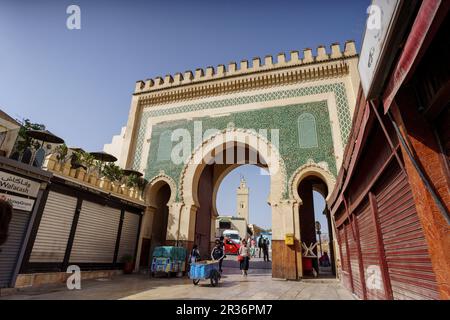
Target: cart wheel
<point x="214" y="279"/>
<point x="195" y="281"/>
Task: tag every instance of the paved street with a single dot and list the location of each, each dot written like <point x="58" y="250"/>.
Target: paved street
<point x="258" y="285"/>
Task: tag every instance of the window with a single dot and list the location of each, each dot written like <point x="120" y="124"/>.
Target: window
<point x="307" y="134"/>
<point x="224" y="225"/>
<point x="165" y="146"/>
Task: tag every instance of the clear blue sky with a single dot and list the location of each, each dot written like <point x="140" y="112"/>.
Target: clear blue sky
<point x="79" y="82"/>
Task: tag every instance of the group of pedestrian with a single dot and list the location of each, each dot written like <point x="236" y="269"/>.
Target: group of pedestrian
<point x="263" y="246"/>
<point x="247" y="250"/>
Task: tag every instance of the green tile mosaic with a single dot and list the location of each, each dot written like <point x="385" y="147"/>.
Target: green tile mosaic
<point x="283" y="118"/>
<point x="344" y="116"/>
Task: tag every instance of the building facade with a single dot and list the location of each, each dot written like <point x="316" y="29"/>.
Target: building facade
<point x="391" y="202"/>
<point x="290" y="115"/>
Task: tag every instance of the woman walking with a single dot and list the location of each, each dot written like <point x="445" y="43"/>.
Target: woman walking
<point x="244" y="257"/>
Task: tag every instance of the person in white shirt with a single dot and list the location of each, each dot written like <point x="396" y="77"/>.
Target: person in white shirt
<point x="244" y="257"/>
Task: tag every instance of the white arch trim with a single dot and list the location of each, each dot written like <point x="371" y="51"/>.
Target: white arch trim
<point x="196" y="162"/>
<point x="311" y="169"/>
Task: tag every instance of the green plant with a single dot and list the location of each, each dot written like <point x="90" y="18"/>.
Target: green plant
<point x="112" y="172"/>
<point x="88" y="161"/>
<point x="23" y="140"/>
<point x="142" y="183"/>
<point x="132" y="181"/>
<point x="61" y="153"/>
<point x="76" y="160"/>
<point x="127" y="258"/>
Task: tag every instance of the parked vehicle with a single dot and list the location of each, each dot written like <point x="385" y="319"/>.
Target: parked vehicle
<point x="232" y="234"/>
<point x="231" y="246"/>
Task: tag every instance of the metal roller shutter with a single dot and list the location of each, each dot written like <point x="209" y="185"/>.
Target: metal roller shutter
<point x="128" y="237"/>
<point x="96" y="234"/>
<point x="369" y="252"/>
<point x="54" y="228"/>
<point x="354" y="261"/>
<point x="344" y="258"/>
<point x="409" y="265"/>
<point x="10" y="249"/>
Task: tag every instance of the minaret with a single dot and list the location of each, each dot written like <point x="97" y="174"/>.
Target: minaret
<point x="242" y="200"/>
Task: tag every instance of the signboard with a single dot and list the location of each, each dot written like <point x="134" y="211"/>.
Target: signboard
<point x="12" y="183"/>
<point x="381" y="17"/>
<point x="18" y="203"/>
<point x="289" y="239"/>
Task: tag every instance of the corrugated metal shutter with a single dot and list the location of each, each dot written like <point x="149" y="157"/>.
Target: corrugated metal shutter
<point x="354" y="261"/>
<point x="369" y="253"/>
<point x="409" y="265"/>
<point x="128" y="237"/>
<point x="344" y="258"/>
<point x="11" y="248"/>
<point x="54" y="228"/>
<point x="96" y="234"/>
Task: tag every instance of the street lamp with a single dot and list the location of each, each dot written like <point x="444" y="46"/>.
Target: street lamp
<point x="318" y="227"/>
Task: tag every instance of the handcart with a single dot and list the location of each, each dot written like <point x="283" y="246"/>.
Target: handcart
<point x="202" y="270"/>
<point x="168" y="259"/>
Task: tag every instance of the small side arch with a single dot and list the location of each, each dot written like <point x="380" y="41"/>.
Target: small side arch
<point x="311" y="169"/>
<point x="155" y="184"/>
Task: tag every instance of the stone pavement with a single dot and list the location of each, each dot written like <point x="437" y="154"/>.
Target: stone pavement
<point x="258" y="285"/>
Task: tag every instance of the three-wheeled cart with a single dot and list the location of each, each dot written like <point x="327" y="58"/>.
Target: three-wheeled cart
<point x="169" y="260"/>
<point x="203" y="270"/>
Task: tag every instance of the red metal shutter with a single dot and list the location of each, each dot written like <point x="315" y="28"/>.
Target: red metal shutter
<point x="369" y="252"/>
<point x="408" y="262"/>
<point x="354" y="261"/>
<point x="344" y="258"/>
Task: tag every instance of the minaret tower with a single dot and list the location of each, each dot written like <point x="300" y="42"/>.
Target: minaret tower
<point x="242" y="200"/>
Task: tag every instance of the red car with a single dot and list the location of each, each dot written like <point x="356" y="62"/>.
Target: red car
<point x="231" y="246"/>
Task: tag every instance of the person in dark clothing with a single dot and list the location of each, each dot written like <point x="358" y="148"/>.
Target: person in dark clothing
<point x="324" y="260"/>
<point x="218" y="254"/>
<point x="5" y="219"/>
<point x="260" y="245"/>
<point x="265" y="248"/>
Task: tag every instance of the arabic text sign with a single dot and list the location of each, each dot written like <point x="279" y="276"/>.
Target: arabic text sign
<point x="16" y="184"/>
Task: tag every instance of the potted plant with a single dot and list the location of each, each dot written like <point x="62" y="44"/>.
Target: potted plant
<point x="61" y="152"/>
<point x="128" y="264"/>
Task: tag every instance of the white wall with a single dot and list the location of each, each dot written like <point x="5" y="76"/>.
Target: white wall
<point x="115" y="147"/>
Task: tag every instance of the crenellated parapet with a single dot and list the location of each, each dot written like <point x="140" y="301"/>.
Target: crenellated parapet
<point x="311" y="61"/>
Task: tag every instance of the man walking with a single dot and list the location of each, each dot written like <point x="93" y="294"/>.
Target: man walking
<point x="265" y="248"/>
<point x="260" y="244"/>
